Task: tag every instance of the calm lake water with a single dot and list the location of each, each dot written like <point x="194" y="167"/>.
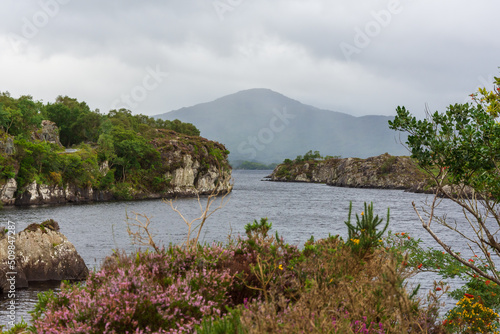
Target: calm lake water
<point x="297" y="211"/>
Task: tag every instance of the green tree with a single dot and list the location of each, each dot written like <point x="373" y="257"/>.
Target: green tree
<point x="460" y="150"/>
<point x="19" y="117"/>
<point x="76" y="122"/>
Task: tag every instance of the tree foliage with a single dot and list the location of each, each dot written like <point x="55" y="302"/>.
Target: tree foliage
<point x="119" y="140"/>
<point x="460" y="150"/>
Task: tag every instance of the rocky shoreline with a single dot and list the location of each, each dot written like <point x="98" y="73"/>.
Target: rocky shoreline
<point x="194" y="166"/>
<point x="187" y="181"/>
<point x="381" y="172"/>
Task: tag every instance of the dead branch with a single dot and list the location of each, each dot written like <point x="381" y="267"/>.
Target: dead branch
<point x="426" y="225"/>
<point x="138" y="237"/>
<point x="205" y="213"/>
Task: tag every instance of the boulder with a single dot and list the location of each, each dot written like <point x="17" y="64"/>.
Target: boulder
<point x="8" y="191"/>
<point x="49" y="133"/>
<point x="42" y="253"/>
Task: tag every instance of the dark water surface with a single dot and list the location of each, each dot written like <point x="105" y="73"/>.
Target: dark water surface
<point x="297" y="211"/>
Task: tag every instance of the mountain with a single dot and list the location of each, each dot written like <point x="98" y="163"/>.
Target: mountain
<point x="263" y="125"/>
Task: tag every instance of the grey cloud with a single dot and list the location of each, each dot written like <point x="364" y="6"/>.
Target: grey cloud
<point x="431" y="52"/>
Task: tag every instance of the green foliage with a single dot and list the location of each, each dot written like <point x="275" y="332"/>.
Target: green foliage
<point x="36" y="160"/>
<point x="365" y="235"/>
<point x="76" y="122"/>
<point x="478" y="299"/>
<point x="463" y="142"/>
<point x="254" y="165"/>
<point x="258" y="229"/>
<point x="482" y="289"/>
<point x="230" y="323"/>
<point x="145" y="125"/>
<point x="7" y="167"/>
<point x="490" y="100"/>
<point x="19" y="328"/>
<point x="20" y="116"/>
<point x="122" y="191"/>
<point x="217" y="153"/>
<point x="44" y="299"/>
<point x="460" y="150"/>
<point x="283" y="171"/>
<point x="128" y="148"/>
<point x="107" y="180"/>
<point x="310" y="155"/>
<point x="386" y="167"/>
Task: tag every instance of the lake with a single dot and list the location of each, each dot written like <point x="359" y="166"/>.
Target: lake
<point x="296" y="210"/>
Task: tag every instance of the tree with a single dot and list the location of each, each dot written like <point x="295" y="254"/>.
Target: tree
<point x="460" y="150"/>
<point x="76" y="122"/>
<point x="19" y="116"/>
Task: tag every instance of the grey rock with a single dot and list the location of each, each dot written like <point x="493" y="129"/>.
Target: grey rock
<point x="49" y="133"/>
<point x="383" y="171"/>
<point x="42" y="253"/>
<point x="7" y="192"/>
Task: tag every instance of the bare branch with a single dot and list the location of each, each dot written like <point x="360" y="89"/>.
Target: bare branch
<point x="138" y="237"/>
<point x="447" y="248"/>
<point x="205" y="213"/>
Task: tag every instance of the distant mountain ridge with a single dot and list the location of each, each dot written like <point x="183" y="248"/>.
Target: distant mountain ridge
<point x="263" y="125"/>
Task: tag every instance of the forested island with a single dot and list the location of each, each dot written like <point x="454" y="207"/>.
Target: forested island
<point x="65" y="152"/>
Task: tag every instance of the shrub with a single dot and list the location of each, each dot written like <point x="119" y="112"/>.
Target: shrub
<point x="386" y="166"/>
<point x="147" y="292"/>
<point x="255" y="284"/>
<point x="471" y="316"/>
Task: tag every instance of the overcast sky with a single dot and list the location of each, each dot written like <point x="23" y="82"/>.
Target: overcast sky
<point x="359" y="57"/>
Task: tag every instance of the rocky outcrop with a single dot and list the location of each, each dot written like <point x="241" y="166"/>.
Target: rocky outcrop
<point x="383" y="171"/>
<point x="49" y="132"/>
<point x="194" y="165"/>
<point x="192" y="178"/>
<point x="191" y="166"/>
<point x="39" y="194"/>
<point x="7" y="143"/>
<point x="8" y="191"/>
<point x="40" y="253"/>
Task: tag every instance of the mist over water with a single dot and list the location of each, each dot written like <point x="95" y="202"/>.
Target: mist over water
<point x="297" y="211"/>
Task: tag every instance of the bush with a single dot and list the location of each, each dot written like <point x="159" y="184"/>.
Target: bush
<point x="146" y="292"/>
<point x="386" y="167"/>
<point x="256" y="284"/>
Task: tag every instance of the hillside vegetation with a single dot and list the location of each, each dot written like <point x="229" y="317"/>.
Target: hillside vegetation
<point x="116" y="152"/>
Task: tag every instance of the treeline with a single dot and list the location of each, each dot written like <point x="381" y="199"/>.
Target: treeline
<point x="253" y="165"/>
<point x="76" y="121"/>
<point x="310" y="156"/>
<point x="118" y="140"/>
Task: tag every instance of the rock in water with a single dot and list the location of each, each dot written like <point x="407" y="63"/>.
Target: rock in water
<point x="42" y="253"/>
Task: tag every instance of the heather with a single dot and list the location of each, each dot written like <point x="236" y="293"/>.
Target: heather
<point x="254" y="283"/>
